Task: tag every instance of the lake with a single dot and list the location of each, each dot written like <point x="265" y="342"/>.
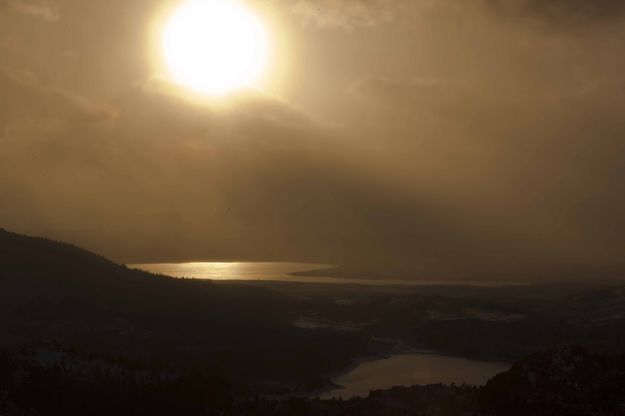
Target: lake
<point x="277" y="271"/>
<point x="231" y="270"/>
<point x="410" y="369"/>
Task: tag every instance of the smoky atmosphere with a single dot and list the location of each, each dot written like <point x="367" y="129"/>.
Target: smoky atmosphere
<point x="312" y="207"/>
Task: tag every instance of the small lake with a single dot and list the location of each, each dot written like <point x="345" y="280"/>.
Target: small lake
<point x="410" y="369"/>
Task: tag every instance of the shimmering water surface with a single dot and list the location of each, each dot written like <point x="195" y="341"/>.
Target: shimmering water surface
<point x="410" y="369"/>
<point x="231" y="270"/>
<point x="276" y="271"/>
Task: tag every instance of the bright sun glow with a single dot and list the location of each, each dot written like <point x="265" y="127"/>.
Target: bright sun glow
<point x="215" y="46"/>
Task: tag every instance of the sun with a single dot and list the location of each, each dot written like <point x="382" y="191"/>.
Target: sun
<point x="215" y="47"/>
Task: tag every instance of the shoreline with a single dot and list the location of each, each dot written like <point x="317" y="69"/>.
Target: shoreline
<point x="382" y="355"/>
<point x="355" y="363"/>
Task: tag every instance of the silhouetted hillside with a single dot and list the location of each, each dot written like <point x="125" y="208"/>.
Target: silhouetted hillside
<point x="565" y="382"/>
<point x="50" y="379"/>
<point x="46" y="268"/>
<point x="51" y="290"/>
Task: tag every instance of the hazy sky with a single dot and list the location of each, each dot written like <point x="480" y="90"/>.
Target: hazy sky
<point x="479" y="138"/>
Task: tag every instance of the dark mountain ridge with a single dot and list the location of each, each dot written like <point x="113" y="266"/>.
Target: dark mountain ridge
<point x="52" y="290"/>
<point x="69" y="271"/>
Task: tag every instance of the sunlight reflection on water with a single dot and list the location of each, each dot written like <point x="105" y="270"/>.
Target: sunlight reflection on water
<point x="230" y="270"/>
<point x="280" y="271"/>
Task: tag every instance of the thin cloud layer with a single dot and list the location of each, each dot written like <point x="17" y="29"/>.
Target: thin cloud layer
<point x="29" y="97"/>
<point x="42" y="9"/>
<point x="346" y="14"/>
<point x="450" y="143"/>
<point x="562" y="10"/>
<point x="351" y="14"/>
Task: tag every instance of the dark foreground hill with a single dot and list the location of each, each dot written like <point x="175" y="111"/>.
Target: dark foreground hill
<point x="567" y="381"/>
<point x="49" y="379"/>
<point x="34" y="269"/>
<point x="52" y="290"/>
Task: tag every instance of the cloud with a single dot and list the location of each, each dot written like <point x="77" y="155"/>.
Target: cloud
<point x="420" y="96"/>
<point x="238" y="181"/>
<point x="537" y="168"/>
<point x="37" y="8"/>
<point x="473" y="144"/>
<point x="179" y="178"/>
<point x="350" y="14"/>
<point x="346" y="14"/>
<point x="564" y="11"/>
<point x="26" y="96"/>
